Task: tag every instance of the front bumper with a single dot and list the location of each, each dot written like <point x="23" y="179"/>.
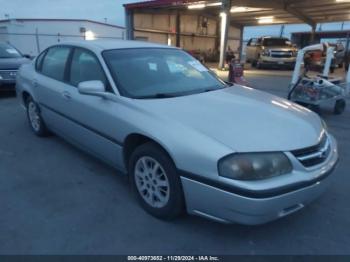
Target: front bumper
<point x="7" y="85"/>
<point x="7" y="79"/>
<point x="277" y="61"/>
<point x="229" y="206"/>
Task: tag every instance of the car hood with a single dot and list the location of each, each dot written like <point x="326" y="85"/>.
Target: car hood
<point x="12" y="63"/>
<point x="244" y="119"/>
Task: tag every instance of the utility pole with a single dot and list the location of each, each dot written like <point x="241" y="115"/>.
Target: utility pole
<point x="37" y="40"/>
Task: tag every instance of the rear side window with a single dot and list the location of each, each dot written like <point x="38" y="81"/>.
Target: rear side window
<point x="54" y="63"/>
<point x="85" y="67"/>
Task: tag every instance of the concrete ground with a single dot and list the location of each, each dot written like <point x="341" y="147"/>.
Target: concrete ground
<point x="55" y="199"/>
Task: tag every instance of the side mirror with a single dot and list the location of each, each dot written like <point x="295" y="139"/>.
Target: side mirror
<point x="92" y="88"/>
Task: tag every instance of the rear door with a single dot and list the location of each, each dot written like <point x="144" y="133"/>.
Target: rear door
<point x="50" y="85"/>
<point x="251" y="49"/>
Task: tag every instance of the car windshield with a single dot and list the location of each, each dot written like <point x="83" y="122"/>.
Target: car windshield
<point x="7" y="51"/>
<point x="276" y="42"/>
<point x="159" y="73"/>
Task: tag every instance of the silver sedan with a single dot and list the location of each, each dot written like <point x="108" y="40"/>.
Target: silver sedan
<point x="186" y="139"/>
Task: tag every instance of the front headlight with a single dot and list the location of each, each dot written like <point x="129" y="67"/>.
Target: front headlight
<point x="254" y="166"/>
<point x="324" y="125"/>
<point x="265" y="52"/>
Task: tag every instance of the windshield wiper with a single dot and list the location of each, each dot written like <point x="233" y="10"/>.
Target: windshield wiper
<point x="184" y="93"/>
<point x="158" y="95"/>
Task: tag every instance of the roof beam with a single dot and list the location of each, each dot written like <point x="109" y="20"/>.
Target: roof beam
<point x="275" y="4"/>
<point x="297" y="13"/>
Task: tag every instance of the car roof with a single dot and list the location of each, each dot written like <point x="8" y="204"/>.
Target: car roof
<point x="100" y="45"/>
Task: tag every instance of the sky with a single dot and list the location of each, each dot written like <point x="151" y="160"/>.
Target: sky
<point x="113" y="12"/>
<point x="97" y="10"/>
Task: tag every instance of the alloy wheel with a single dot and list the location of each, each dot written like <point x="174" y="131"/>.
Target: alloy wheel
<point x="152" y="182"/>
<point x="34" y="117"/>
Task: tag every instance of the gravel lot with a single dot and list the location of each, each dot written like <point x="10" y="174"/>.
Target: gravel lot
<point x="55" y="199"/>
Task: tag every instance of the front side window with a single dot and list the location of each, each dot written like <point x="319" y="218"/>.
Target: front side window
<point x="54" y="63"/>
<point x="85" y="67"/>
<point x="252" y="42"/>
<point x="159" y="72"/>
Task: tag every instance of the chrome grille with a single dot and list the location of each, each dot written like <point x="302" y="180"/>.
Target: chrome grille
<point x="8" y="74"/>
<point x="281" y="54"/>
<point x="314" y="155"/>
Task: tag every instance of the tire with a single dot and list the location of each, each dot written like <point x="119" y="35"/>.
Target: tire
<point x="35" y="120"/>
<point x="257" y="65"/>
<point x="339" y="106"/>
<point x="254" y="63"/>
<point x="158" y="191"/>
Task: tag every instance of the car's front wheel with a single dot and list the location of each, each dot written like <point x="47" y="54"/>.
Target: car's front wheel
<point x="156" y="182"/>
<point x="34" y="118"/>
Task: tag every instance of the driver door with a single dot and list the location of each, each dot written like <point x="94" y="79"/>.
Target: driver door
<point x="251" y="49"/>
<point x="93" y="123"/>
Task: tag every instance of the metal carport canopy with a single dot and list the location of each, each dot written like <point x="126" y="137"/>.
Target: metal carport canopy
<point x="250" y="12"/>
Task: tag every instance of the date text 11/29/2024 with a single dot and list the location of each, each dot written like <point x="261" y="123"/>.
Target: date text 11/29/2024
<point x="173" y="258"/>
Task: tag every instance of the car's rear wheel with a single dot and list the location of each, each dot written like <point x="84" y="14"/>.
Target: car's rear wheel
<point x="156" y="182"/>
<point x="34" y="118"/>
<point x="258" y="65"/>
<point x="254" y="63"/>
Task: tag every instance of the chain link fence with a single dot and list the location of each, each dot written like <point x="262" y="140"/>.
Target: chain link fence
<point x="33" y="43"/>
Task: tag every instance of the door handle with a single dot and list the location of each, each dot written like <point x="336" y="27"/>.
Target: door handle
<point x="66" y="95"/>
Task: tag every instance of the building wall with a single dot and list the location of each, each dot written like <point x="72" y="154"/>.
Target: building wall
<point x="234" y="38"/>
<point x="151" y="37"/>
<point x="33" y="36"/>
<point x="155" y="21"/>
<point x="161" y="28"/>
<point x="193" y="24"/>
